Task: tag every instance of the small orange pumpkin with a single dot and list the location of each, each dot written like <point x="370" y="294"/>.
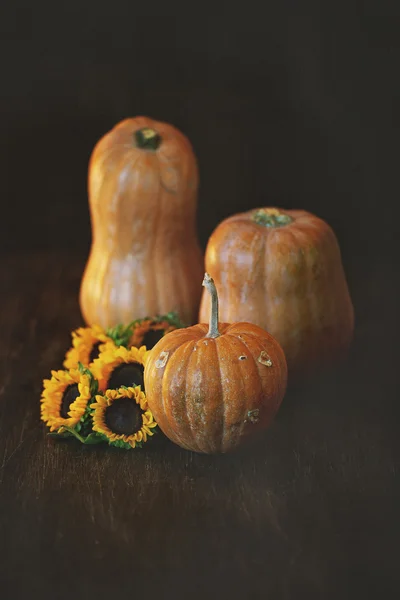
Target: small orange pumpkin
<point x="282" y="270"/>
<point x="145" y="258"/>
<point x="210" y="387"/>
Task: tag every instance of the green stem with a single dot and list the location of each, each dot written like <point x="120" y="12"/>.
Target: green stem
<point x="74" y="433"/>
<point x="271" y="217"/>
<point x="147" y="139"/>
<point x="209" y="284"/>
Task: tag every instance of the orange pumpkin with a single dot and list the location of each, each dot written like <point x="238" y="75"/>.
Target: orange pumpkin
<point x="211" y="387"/>
<point x="282" y="270"/>
<point x="145" y="258"/>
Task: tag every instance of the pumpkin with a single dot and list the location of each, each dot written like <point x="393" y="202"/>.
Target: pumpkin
<point x="145" y="258"/>
<point x="282" y="270"/>
<point x="211" y="387"/>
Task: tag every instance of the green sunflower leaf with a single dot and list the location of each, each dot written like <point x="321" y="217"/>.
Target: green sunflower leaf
<point x="61" y="434"/>
<point x="94" y="387"/>
<point x="120" y="444"/>
<point x="121" y="334"/>
<point x="91" y="438"/>
<point x="86" y="428"/>
<point x="172" y="318"/>
<point x="84" y="370"/>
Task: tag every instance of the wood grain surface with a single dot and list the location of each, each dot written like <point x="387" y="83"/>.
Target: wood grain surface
<point x="308" y="510"/>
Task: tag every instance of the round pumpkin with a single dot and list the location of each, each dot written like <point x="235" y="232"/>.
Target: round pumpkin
<point x="282" y="270"/>
<point x="211" y="387"/>
<point x="145" y="258"/>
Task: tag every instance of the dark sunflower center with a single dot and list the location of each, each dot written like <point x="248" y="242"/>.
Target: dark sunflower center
<point x="70" y="395"/>
<point x="128" y="374"/>
<point x="95" y="352"/>
<point x="151" y="337"/>
<point x="124" y="416"/>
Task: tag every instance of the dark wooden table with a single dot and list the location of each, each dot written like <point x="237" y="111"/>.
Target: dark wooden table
<point x="310" y="510"/>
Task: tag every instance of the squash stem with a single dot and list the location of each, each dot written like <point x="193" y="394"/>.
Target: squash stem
<point x="209" y="284"/>
<point x="271" y="217"/>
<point x="147" y="139"/>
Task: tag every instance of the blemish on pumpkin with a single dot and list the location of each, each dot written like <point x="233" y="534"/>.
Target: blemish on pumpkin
<point x="253" y="416"/>
<point x="264" y="359"/>
<point x="162" y="360"/>
<point x="243" y="357"/>
<point x="235" y="426"/>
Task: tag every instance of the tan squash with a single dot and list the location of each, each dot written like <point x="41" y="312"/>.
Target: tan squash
<point x="145" y="258"/>
<point x="282" y="270"/>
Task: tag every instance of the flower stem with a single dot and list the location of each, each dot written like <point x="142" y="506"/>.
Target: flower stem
<point x="209" y="284"/>
<point x="73" y="432"/>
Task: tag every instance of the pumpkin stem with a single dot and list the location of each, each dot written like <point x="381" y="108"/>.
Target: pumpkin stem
<point x="271" y="217"/>
<point x="147" y="138"/>
<point x="208" y="283"/>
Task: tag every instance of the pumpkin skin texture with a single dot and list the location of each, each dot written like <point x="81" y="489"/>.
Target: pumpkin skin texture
<point x="208" y="394"/>
<point x="145" y="257"/>
<point x="282" y="270"/>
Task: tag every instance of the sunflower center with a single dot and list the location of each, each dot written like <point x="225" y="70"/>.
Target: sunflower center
<point x="70" y="395"/>
<point x="95" y="352"/>
<point x="128" y="374"/>
<point x="152" y="336"/>
<point x="123" y="416"/>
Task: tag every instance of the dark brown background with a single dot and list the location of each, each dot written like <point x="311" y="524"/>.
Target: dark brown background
<point x="291" y="105"/>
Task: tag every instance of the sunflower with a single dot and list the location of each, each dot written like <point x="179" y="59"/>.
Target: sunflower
<point x="86" y="345"/>
<point x="147" y="332"/>
<point x="65" y="398"/>
<point x="118" y="366"/>
<point x="122" y="417"/>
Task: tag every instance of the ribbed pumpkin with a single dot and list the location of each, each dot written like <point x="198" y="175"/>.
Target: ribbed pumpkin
<point x="211" y="387"/>
<point x="282" y="270"/>
<point x="145" y="258"/>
